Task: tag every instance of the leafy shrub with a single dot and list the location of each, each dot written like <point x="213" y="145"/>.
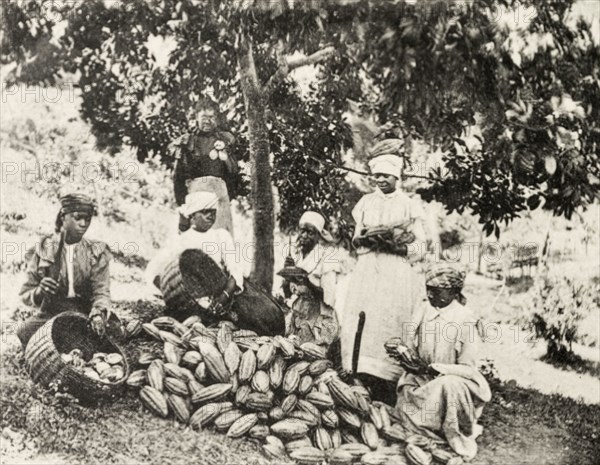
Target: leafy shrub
<point x="554" y="311"/>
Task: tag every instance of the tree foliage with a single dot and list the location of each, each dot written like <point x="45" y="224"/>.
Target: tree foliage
<point x="439" y="68"/>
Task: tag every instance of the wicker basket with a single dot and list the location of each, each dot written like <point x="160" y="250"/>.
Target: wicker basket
<point x="61" y="334"/>
<point x="193" y="275"/>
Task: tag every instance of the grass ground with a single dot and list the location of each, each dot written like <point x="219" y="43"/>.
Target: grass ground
<point x="539" y="413"/>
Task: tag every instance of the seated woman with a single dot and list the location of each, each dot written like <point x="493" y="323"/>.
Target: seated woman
<point x="311" y="319"/>
<point x="445" y="396"/>
<point x="201" y="209"/>
<point x="82" y="280"/>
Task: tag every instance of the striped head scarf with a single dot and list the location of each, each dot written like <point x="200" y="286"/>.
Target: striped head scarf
<point x="72" y="203"/>
<point x="446" y="276"/>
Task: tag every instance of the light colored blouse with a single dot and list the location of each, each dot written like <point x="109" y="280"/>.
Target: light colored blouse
<point x="448" y="335"/>
<point x="387" y="210"/>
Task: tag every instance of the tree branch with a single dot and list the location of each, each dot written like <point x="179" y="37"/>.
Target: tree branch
<point x="288" y="63"/>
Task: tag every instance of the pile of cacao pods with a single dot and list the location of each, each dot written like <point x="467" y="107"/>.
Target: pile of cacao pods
<point x="271" y="389"/>
<point x="107" y="368"/>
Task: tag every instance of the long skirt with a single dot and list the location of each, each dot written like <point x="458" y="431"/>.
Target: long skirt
<point x="218" y="187"/>
<point x="391" y="293"/>
<point x="447" y="406"/>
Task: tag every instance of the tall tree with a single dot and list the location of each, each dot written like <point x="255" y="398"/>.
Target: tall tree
<point x="434" y="68"/>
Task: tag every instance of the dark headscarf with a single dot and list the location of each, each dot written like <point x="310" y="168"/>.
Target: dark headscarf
<point x="72" y="203"/>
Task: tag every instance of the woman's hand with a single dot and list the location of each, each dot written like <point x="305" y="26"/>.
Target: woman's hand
<point x="97" y="321"/>
<point x="217" y="307"/>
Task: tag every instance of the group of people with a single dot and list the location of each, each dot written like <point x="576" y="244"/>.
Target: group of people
<point x="387" y="297"/>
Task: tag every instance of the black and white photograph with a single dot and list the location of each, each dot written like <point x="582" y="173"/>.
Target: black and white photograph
<point x="312" y="232"/>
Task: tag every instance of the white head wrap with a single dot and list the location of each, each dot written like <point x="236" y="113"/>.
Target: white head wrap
<point x="386" y="164"/>
<point x="197" y="201"/>
<point x="316" y="219"/>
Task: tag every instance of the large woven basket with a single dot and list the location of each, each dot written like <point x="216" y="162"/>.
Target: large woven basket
<point x="59" y="335"/>
<point x="193" y="275"/>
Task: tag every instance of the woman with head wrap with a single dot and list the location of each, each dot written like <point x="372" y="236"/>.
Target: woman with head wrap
<point x="445" y="396"/>
<point x="83" y="280"/>
<point x="201" y="210"/>
<point x="383" y="285"/>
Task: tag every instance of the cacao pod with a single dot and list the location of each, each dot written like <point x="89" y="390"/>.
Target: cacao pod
<point x="321" y="401"/>
<point x="330" y="418"/>
<point x="175" y="371"/>
<point x="194" y="386"/>
<point x="291" y="380"/>
<point x="259" y="402"/>
<point x="152" y="330"/>
<point x="246" y="344"/>
<point x="226" y="419"/>
<point x="176" y="386"/>
<point x="342" y="394"/>
<point x="369" y="435"/>
<point x="301" y="367"/>
<point x="357" y="450"/>
<point x="241" y="396"/>
<point x="274" y="448"/>
<point x="310" y="408"/>
<point x="289" y="429"/>
<point x="455" y="461"/>
<point x="164" y="322"/>
<point x="336" y="438"/>
<point x="172" y="353"/>
<point x="385" y="417"/>
<point x="340" y="457"/>
<point x="242" y="425"/>
<point x="419" y="440"/>
<point x="232" y="357"/>
<point x="211" y="393"/>
<point x="416" y="455"/>
<point x="191" y="359"/>
<point x="265" y="356"/>
<point x="307" y="455"/>
<point x="247" y="366"/>
<point x="260" y="381"/>
<point x="349" y="418"/>
<point x="289" y="403"/>
<point x="349" y="438"/>
<point x="155" y="374"/>
<point x="285" y="346"/>
<point x="296" y="444"/>
<point x="276" y="371"/>
<point x="318" y="367"/>
<point x="146" y="358"/>
<point x="375" y="415"/>
<point x="137" y="378"/>
<point x="205" y="415"/>
<point x="240" y="333"/>
<point x="201" y="373"/>
<point x="189" y="321"/>
<point x="179" y="407"/>
<point x="276" y="414"/>
<point x="305" y="385"/>
<point x="215" y="365"/>
<point x="259" y="432"/>
<point x="362" y="405"/>
<point x="442" y="455"/>
<point x="304" y="416"/>
<point x="323" y="439"/>
<point x="224" y="338"/>
<point x="179" y="329"/>
<point x="166" y="336"/>
<point x="313" y="351"/>
<point x="395" y="433"/>
<point x="154" y="401"/>
<point x="133" y="328"/>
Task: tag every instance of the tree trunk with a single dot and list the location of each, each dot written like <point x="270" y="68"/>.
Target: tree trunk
<point x="260" y="184"/>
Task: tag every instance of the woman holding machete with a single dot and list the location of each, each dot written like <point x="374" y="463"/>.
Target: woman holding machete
<point x="69" y="272"/>
<point x="384" y="285"/>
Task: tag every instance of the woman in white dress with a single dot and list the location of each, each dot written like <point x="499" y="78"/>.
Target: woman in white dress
<point x="384" y="285"/>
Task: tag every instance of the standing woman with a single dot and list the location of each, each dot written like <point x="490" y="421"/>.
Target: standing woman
<point x="384" y="285"/>
<point x="83" y="280"/>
